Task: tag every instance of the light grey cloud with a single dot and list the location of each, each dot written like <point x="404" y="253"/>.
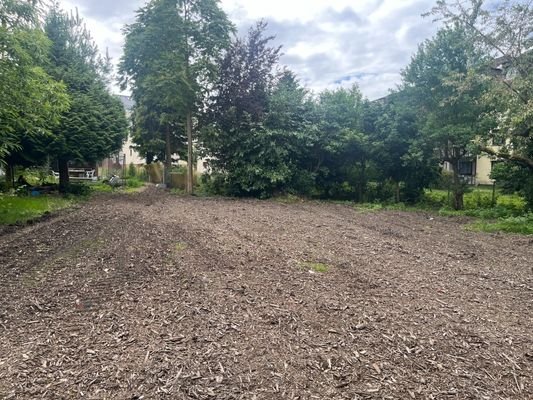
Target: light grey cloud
<point x="327" y="44"/>
<point x="104" y="10"/>
<point x="343" y="46"/>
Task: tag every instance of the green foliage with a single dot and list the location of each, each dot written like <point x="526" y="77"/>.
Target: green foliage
<point x="95" y="125"/>
<point x="441" y="81"/>
<point x="21" y="209"/>
<point x="522" y="225"/>
<point x="31" y="101"/>
<point x="134" y="183"/>
<point x="514" y="178"/>
<point x="265" y="135"/>
<point x="248" y="157"/>
<point x="169" y="62"/>
<point x="478" y="203"/>
<point x="179" y="169"/>
<point x="100" y="187"/>
<point x="478" y="199"/>
<point x="401" y="154"/>
<point x="501" y="30"/>
<point x="77" y="190"/>
<point x="132" y="171"/>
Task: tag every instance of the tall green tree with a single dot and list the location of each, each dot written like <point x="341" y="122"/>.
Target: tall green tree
<point x="292" y="114"/>
<point x="31" y="101"/>
<point x="95" y="126"/>
<point x="400" y="153"/>
<point x="446" y="91"/>
<point x="169" y="62"/>
<point x="341" y="150"/>
<point x="504" y="32"/>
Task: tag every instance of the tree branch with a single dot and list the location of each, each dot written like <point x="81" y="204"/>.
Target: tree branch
<point x="528" y="162"/>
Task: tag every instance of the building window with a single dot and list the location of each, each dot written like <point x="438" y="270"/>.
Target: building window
<point x="466" y="168"/>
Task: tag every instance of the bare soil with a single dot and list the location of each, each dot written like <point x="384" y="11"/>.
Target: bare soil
<point x="154" y="296"/>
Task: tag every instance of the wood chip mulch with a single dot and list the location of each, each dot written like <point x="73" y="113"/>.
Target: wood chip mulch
<point x="154" y="296"/>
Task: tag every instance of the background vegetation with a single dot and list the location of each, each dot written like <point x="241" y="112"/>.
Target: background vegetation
<point x="262" y="133"/>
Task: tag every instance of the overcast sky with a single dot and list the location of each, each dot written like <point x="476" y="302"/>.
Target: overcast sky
<point x="326" y="42"/>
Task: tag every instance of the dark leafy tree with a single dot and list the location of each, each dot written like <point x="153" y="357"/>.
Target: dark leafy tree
<point x="31" y="101"/>
<point x="95" y="126"/>
<point x="504" y="32"/>
<point x="446" y="92"/>
<point x="400" y="152"/>
<point x="243" y="151"/>
<point x="341" y="151"/>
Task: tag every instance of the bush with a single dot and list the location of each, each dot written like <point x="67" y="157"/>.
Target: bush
<point x="512" y="202"/>
<point x="522" y="225"/>
<point x="435" y="199"/>
<point x="142" y="174"/>
<point x="303" y="183"/>
<point x="101" y="187"/>
<point x="179" y="169"/>
<point x="445" y="181"/>
<point x="77" y="189"/>
<point x="478" y="199"/>
<point x="132" y="170"/>
<point x="134" y="183"/>
<point x="214" y="184"/>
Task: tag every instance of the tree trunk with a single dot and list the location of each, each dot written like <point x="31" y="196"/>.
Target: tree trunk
<point x="64" y="180"/>
<point x="362" y="183"/>
<point x="168" y="157"/>
<point x="458" y="191"/>
<point x="397" y="192"/>
<point x="189" y="154"/>
<point x="10" y="176"/>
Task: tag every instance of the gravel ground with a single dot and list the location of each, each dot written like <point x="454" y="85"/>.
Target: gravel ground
<point x="154" y="296"/>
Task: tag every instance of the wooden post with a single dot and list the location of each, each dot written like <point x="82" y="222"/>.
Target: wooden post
<point x="168" y="158"/>
<point x="10" y="176"/>
<point x="189" y="155"/>
<point x="64" y="179"/>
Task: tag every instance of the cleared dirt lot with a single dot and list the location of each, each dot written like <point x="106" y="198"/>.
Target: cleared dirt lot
<point x="152" y="296"/>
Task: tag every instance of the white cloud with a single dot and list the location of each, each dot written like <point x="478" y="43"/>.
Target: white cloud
<point x="339" y="42"/>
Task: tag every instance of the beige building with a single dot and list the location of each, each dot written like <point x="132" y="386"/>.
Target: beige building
<point x="477" y="170"/>
<point x="128" y="149"/>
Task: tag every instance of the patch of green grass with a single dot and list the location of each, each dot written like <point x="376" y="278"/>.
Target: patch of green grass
<point x="21" y="209"/>
<point x="288" y="199"/>
<point x="134" y="182"/>
<point x="507" y="215"/>
<point x="522" y="225"/>
<point x="100" y="187"/>
<point x="316" y="267"/>
<point x="181" y="246"/>
<point x="373" y="207"/>
<point x="131" y="190"/>
<point x="133" y="185"/>
<point x="369" y="207"/>
<point x="478" y="198"/>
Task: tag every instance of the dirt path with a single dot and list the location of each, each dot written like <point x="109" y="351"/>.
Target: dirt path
<point x="152" y="296"/>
